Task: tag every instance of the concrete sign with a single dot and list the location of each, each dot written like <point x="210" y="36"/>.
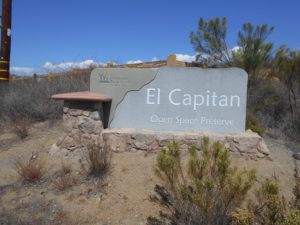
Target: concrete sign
<point x="116" y="82"/>
<point x="176" y="99"/>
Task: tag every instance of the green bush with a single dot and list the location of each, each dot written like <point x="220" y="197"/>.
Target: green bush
<point x="252" y="123"/>
<point x="293" y="218"/>
<point x="270" y="207"/>
<point x="268" y="102"/>
<point x="209" y="191"/>
<point x="206" y="192"/>
<point x="296" y="190"/>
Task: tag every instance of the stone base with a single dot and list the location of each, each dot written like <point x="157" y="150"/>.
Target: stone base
<point x="82" y="125"/>
<point x="121" y="140"/>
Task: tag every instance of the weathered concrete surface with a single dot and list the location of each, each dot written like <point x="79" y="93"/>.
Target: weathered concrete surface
<point x="121" y="140"/>
<point x="187" y="99"/>
<point x="116" y="82"/>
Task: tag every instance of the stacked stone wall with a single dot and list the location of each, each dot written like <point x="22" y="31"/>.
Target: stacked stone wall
<point x="121" y="140"/>
<point x="83" y="124"/>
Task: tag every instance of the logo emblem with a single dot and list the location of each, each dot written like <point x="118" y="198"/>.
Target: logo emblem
<point x="104" y="78"/>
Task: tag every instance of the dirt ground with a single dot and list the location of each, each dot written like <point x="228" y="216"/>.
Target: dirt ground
<point x="121" y="198"/>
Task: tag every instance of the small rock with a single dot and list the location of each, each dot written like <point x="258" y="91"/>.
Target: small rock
<point x="98" y="127"/>
<point x="227" y="145"/>
<point x="60" y="140"/>
<point x="86" y="113"/>
<point x="87" y="126"/>
<point x="262" y="148"/>
<point x="69" y="142"/>
<point x="296" y="156"/>
<point x="66" y="109"/>
<point x="70" y="122"/>
<point x="260" y="155"/>
<point x="54" y="149"/>
<point x="95" y="115"/>
<point x="75" y="112"/>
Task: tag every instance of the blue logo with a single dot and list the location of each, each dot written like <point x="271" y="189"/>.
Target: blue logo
<point x="104" y="78"/>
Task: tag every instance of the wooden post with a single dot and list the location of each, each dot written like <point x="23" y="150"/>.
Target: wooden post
<point x="5" y="40"/>
<point x="172" y="62"/>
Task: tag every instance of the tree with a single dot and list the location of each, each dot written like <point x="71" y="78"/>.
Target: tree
<point x="209" y="41"/>
<point x="253" y="52"/>
<point x="286" y="65"/>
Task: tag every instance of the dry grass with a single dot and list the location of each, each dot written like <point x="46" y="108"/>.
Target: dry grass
<point x="99" y="159"/>
<point x="21" y="127"/>
<point x="65" y="179"/>
<point x="65" y="168"/>
<point x="30" y="171"/>
<point x="64" y="218"/>
<point x="32" y="98"/>
<point x="65" y="182"/>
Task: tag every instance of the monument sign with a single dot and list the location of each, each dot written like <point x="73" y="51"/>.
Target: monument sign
<point x="175" y="99"/>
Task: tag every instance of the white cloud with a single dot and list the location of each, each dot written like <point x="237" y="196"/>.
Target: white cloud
<point x="236" y="48"/>
<point x="22" y="70"/>
<point x="72" y="65"/>
<point x="185" y="57"/>
<point x="154" y="59"/>
<point x="191" y="58"/>
<point x="134" y="61"/>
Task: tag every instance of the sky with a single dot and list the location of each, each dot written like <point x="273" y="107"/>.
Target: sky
<point x="55" y="35"/>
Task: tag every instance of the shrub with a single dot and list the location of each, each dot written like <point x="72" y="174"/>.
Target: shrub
<point x="296" y="189"/>
<point x="243" y="217"/>
<point x="270" y="207"/>
<point x="252" y="123"/>
<point x="21" y="127"/>
<point x="206" y="192"/>
<point x="210" y="192"/>
<point x="65" y="179"/>
<point x="31" y="99"/>
<point x="293" y="218"/>
<point x="267" y="101"/>
<point x="64" y="182"/>
<point x="30" y="171"/>
<point x="99" y="159"/>
<point x="292" y="129"/>
<point x="65" y="169"/>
